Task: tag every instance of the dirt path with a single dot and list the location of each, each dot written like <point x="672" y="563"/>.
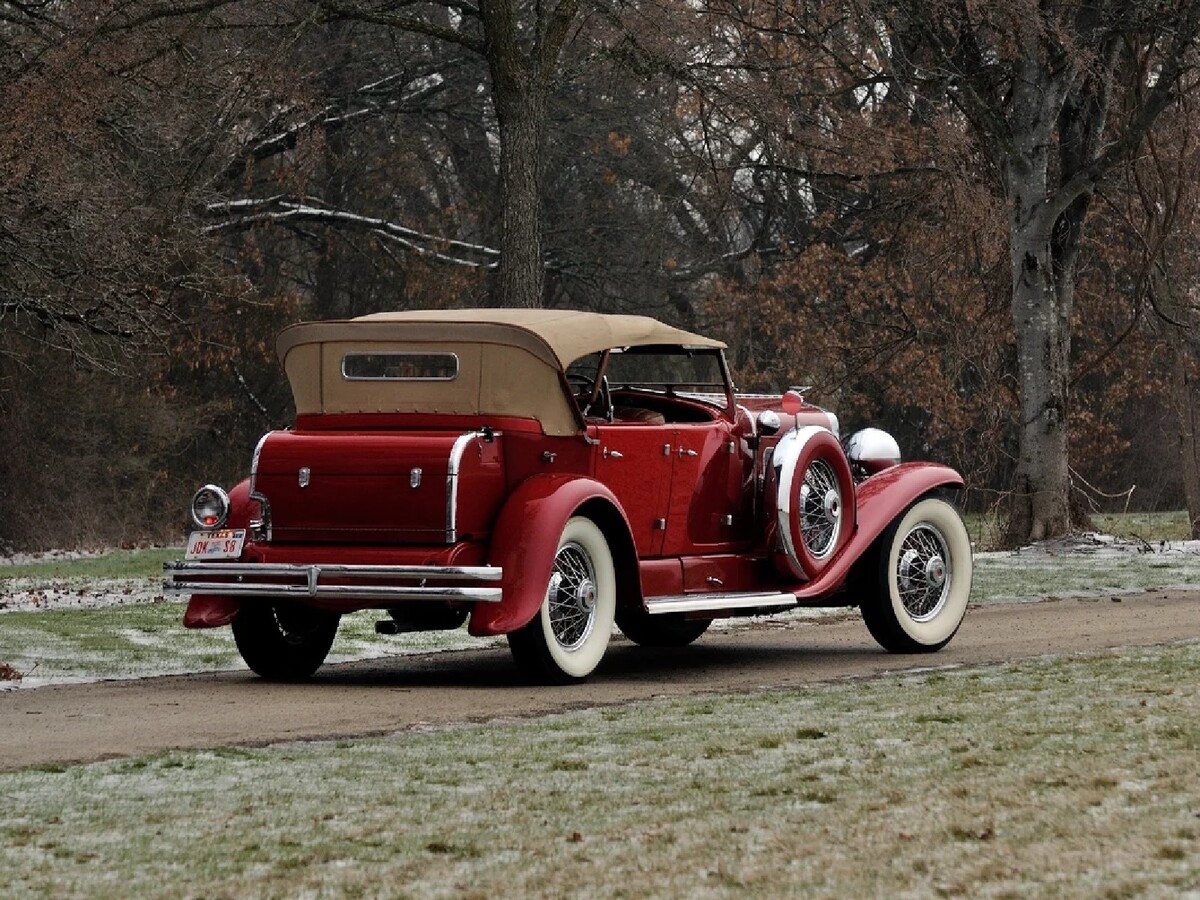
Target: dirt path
<point x="86" y="722"/>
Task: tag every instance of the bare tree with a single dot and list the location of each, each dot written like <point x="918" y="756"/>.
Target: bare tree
<point x="521" y="43"/>
<point x="1056" y="96"/>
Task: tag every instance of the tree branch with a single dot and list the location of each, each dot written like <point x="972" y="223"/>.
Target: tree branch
<point x="280" y="211"/>
<point x="336" y="9"/>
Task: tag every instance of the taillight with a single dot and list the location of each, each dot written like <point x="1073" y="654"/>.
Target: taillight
<point x="210" y="507"/>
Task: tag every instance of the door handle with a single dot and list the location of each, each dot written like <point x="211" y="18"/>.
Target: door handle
<point x="684" y="451"/>
<point x="614" y="454"/>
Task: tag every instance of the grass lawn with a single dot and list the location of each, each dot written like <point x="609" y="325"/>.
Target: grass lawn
<point x="1048" y="778"/>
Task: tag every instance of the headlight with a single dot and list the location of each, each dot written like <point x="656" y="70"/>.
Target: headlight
<point x="210" y="507"/>
<point x="873" y="449"/>
<point x="768" y="421"/>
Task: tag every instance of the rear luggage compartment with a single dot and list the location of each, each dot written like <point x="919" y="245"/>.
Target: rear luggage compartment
<point x="396" y="487"/>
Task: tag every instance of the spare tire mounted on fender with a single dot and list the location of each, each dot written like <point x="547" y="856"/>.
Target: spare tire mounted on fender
<point x="814" y="500"/>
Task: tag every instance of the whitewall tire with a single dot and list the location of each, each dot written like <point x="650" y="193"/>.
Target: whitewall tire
<point x="915" y="581"/>
<point x="567" y="639"/>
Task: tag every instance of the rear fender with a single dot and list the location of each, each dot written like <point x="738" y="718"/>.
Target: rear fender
<point x="880" y="499"/>
<point x="525" y="540"/>
<point x="210" y="611"/>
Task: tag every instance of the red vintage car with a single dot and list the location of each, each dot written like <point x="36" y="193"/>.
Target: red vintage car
<point x="546" y="474"/>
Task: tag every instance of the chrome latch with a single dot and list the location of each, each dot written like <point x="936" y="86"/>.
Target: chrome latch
<point x="414" y="478"/>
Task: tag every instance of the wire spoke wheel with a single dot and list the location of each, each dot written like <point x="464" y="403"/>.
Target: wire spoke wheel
<point x="924" y="572"/>
<point x="567" y="638"/>
<point x="914" y="583"/>
<point x="820" y="508"/>
<point x="572" y="596"/>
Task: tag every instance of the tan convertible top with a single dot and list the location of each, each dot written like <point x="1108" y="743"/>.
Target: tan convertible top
<point x="509" y="360"/>
<point x="564" y="334"/>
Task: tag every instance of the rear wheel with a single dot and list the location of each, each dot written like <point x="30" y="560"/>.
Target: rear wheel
<point x="665" y="630"/>
<point x="566" y="640"/>
<point x="915" y="581"/>
<point x="284" y="642"/>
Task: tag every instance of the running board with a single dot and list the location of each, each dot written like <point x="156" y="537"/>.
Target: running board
<point x="701" y="602"/>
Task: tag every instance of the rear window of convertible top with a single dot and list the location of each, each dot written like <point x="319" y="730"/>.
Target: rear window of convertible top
<point x="400" y="366"/>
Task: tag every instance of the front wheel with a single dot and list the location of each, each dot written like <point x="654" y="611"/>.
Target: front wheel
<point x="284" y="642"/>
<point x="916" y="579"/>
<point x="567" y="638"/>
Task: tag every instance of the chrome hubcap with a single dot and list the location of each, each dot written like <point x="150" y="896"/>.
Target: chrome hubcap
<point x="572" y="596"/>
<point x="923" y="572"/>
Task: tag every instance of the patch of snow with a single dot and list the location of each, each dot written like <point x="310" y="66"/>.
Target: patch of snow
<point x="44" y="556"/>
<point x="1097" y="546"/>
<point x="36" y="595"/>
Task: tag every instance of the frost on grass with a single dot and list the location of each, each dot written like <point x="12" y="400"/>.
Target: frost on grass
<point x="1067" y="777"/>
<point x="1084" y="565"/>
<point x="68" y="619"/>
<point x="139" y="641"/>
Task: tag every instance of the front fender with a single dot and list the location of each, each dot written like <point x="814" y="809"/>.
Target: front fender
<point x="525" y="541"/>
<point x="884" y="496"/>
<point x="880" y="499"/>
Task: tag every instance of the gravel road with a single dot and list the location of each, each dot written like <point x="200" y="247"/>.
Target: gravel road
<point x="85" y="722"/>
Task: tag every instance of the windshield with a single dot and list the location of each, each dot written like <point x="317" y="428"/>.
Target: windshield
<point x="669" y="369"/>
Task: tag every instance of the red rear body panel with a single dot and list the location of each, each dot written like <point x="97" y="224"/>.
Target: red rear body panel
<point x="379" y="487"/>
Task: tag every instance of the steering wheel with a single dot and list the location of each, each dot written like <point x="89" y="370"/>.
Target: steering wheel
<point x="588" y="394"/>
<point x="580" y="384"/>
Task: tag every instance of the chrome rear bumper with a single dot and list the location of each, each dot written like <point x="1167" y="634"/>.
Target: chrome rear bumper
<point x="347" y="582"/>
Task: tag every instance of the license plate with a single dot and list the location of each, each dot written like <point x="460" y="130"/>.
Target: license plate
<point x="216" y="544"/>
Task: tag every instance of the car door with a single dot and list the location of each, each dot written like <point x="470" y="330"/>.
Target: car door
<point x="705" y="508"/>
<point x="634" y="462"/>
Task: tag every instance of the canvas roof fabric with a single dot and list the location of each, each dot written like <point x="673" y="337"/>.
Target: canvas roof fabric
<point x="566" y="334"/>
<point x="509" y="360"/>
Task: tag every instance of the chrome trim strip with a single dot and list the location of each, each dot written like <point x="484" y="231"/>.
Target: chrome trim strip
<point x="346" y="591"/>
<point x="752" y="418"/>
<point x="258" y="448"/>
<point x="263" y="530"/>
<point x="700" y="602"/>
<point x="185" y="577"/>
<point x="452" y="466"/>
<point x="284" y="570"/>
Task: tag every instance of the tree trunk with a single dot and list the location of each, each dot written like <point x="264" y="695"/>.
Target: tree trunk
<point x="521" y="114"/>
<point x="1041" y="492"/>
<point x="520" y="71"/>
<point x="1185" y="402"/>
<point x="1041" y="323"/>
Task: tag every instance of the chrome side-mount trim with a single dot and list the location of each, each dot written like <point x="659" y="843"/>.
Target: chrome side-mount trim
<point x="455" y="463"/>
<point x="261" y="529"/>
<point x="293" y="580"/>
<point x="716" y="601"/>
